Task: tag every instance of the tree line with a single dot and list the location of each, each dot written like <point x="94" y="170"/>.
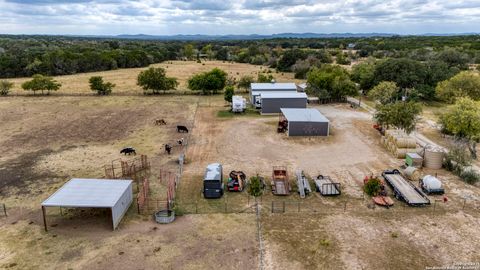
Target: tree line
<point x="25" y="56"/>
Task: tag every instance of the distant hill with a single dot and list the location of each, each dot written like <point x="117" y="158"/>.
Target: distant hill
<point x="252" y="36"/>
<point x="282" y="35"/>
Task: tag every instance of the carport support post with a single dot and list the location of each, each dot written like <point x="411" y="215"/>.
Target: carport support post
<point x="44" y="218"/>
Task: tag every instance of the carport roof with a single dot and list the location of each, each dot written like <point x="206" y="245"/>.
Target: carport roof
<point x="303" y="115"/>
<point x="78" y="192"/>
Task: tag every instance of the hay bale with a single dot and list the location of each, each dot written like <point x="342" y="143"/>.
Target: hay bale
<point x="405" y="142"/>
<point x="412" y="173"/>
<point x="402" y="152"/>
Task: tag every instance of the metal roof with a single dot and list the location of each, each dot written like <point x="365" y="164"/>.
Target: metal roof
<point x="78" y="192"/>
<point x="273" y="86"/>
<point x="303" y="115"/>
<point x="283" y="95"/>
<point x="213" y="172"/>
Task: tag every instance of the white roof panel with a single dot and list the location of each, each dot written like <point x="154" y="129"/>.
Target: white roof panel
<point x="80" y="192"/>
<point x="273" y="86"/>
<point x="303" y="115"/>
<point x="283" y="95"/>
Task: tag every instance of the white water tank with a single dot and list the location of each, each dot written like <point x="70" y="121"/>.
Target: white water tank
<point x="433" y="158"/>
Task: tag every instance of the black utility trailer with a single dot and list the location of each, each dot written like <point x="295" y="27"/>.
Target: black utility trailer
<point x="404" y="190"/>
<point x="326" y="186"/>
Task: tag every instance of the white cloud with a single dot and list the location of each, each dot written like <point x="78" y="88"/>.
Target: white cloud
<point x="236" y="17"/>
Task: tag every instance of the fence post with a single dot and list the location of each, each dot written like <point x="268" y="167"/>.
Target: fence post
<point x="4" y="209"/>
<point x="272" y="206"/>
<point x="344" y="206"/>
<point x="196" y="208"/>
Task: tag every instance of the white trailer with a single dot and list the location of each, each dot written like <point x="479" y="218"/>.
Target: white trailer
<point x="239" y="104"/>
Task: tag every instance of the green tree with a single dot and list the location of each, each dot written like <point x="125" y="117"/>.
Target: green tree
<point x="453" y="58"/>
<point x="463" y="121"/>
<point x="155" y="79"/>
<point x="264" y="78"/>
<point x="102" y="88"/>
<point x="188" y="51"/>
<point x="406" y="73"/>
<point x="289" y="58"/>
<point x="228" y="94"/>
<point x="330" y="81"/>
<point x="245" y="82"/>
<point x="384" y="92"/>
<point x="41" y="83"/>
<point x="5" y="87"/>
<point x="402" y="115"/>
<point x="363" y="74"/>
<point x="255" y="186"/>
<point x="342" y="59"/>
<point x="464" y="84"/>
<point x="208" y="82"/>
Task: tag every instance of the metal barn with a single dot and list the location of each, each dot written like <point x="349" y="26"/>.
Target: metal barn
<point x="256" y="89"/>
<point x="305" y="122"/>
<point x="273" y="102"/>
<point x="115" y="195"/>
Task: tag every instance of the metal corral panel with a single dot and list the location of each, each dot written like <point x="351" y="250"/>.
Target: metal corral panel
<point x="273" y="105"/>
<point x="308" y="128"/>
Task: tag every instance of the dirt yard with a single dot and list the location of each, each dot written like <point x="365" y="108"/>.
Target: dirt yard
<point x="48" y="140"/>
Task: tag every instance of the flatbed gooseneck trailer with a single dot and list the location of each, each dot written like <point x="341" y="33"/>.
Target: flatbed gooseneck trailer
<point x="404" y="190"/>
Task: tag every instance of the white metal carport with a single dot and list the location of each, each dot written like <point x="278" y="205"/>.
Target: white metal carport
<point x="115" y="195"/>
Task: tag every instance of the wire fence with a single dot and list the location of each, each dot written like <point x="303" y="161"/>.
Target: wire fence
<point x="3" y="209"/>
<point x="269" y="204"/>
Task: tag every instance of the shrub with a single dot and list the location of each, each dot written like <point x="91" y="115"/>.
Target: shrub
<point x="255" y="187"/>
<point x="5" y="87"/>
<point x="102" y="88"/>
<point x="470" y="177"/>
<point x="372" y="187"/>
<point x="229" y="91"/>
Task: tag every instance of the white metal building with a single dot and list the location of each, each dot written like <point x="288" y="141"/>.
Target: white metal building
<point x="306" y="122"/>
<point x="258" y="88"/>
<point x="272" y="102"/>
<point x="115" y="195"/>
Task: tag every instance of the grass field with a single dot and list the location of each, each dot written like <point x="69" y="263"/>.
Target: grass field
<point x="50" y="139"/>
<point x="126" y="79"/>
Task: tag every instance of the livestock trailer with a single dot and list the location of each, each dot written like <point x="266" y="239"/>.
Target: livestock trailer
<point x="213" y="181"/>
<point x="273" y="102"/>
<point x="404" y="190"/>
<point x="304" y="122"/>
<point x="256" y="89"/>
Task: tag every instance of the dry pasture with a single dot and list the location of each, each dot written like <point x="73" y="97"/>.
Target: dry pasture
<point x="48" y="140"/>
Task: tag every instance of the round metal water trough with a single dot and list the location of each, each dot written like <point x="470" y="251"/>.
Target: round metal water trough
<point x="164" y="216"/>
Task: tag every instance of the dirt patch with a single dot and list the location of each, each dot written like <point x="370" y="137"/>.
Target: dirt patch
<point x="18" y="173"/>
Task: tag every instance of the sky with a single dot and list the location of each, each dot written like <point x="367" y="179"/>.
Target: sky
<point x="220" y="17"/>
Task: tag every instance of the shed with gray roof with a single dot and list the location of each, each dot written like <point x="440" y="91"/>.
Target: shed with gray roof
<point x="256" y="89"/>
<point x="305" y="122"/>
<point x="272" y="102"/>
<point x="115" y="195"/>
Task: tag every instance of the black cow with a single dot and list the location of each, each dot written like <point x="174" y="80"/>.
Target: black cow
<point x="182" y="129"/>
<point x="168" y="148"/>
<point x="128" y="150"/>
